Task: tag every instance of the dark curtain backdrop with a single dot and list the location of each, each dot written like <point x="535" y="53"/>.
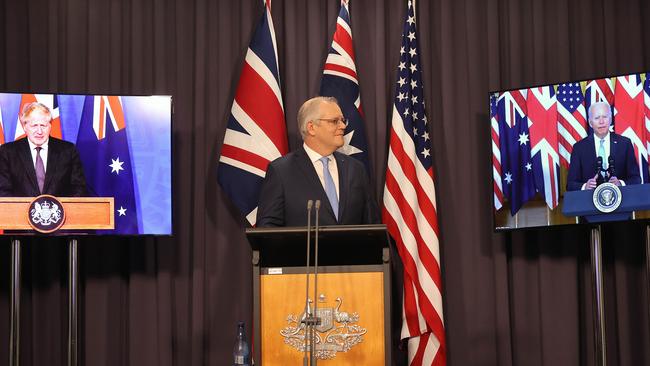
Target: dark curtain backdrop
<point x="521" y="298"/>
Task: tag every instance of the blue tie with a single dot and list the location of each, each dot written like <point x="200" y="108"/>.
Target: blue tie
<point x="330" y="188"/>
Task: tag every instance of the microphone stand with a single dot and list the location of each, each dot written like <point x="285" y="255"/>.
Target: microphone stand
<point x="316" y="318"/>
<point x="307" y="315"/>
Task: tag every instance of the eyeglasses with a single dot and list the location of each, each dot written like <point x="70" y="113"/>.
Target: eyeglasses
<point x="335" y="121"/>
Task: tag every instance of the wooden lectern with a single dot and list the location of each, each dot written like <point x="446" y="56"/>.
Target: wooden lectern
<point x="81" y="213"/>
<point x="353" y="298"/>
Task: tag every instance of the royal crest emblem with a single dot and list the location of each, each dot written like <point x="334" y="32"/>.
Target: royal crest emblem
<point x="337" y="331"/>
<point x="46" y="214"/>
<point x="607" y="197"/>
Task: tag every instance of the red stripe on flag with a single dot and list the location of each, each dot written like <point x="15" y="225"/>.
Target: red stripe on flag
<point x="341" y="69"/>
<point x="260" y="102"/>
<point x="244" y="156"/>
<point x="343" y="38"/>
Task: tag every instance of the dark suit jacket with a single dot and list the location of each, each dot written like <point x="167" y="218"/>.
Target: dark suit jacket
<point x="64" y="175"/>
<point x="292" y="180"/>
<point x="583" y="161"/>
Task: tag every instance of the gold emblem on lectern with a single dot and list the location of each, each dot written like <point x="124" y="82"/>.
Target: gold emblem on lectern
<point x="337" y="331"/>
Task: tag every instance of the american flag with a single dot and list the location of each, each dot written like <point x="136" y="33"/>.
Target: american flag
<point x="516" y="164"/>
<point x="256" y="133"/>
<point x="409" y="209"/>
<point x="340" y="81"/>
<point x="572" y="119"/>
<point x="542" y="124"/>
<point x="496" y="153"/>
<point x="630" y="117"/>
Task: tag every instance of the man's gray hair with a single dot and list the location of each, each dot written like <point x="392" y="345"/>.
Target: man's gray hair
<point x="309" y="112"/>
<point x="603" y="103"/>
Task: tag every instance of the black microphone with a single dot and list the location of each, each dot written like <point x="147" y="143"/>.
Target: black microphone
<point x="307" y="314"/>
<point x="611" y="168"/>
<point x="599" y="165"/>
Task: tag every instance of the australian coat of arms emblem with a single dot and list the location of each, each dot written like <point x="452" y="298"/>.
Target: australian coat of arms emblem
<point x="338" y="331"/>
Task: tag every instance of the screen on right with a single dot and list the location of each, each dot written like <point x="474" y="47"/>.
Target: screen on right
<point x="562" y="153"/>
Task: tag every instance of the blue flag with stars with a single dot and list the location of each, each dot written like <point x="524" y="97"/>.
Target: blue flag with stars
<point x="514" y="139"/>
<point x="104" y="151"/>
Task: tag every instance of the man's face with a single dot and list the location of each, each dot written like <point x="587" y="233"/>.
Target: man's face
<point x="37" y="126"/>
<point x="329" y="128"/>
<point x="600" y="120"/>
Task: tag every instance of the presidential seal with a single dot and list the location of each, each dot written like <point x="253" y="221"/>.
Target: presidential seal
<point x="607" y="197"/>
<point x="46" y="214"/>
<point x="337" y="331"/>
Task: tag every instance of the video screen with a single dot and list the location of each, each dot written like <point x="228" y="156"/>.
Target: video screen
<point x="91" y="146"/>
<point x="571" y="153"/>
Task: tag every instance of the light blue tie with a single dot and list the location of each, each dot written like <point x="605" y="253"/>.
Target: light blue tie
<point x="601" y="153"/>
<point x="330" y="188"/>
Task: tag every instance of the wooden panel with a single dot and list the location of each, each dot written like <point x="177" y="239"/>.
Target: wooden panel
<point x="81" y="213"/>
<point x="284" y="294"/>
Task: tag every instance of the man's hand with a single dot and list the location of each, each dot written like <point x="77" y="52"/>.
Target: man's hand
<point x="591" y="183"/>
<point x="615" y="180"/>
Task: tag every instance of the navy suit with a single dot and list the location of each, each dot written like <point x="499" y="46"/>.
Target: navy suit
<point x="583" y="161"/>
<point x="64" y="175"/>
<point x="292" y="180"/>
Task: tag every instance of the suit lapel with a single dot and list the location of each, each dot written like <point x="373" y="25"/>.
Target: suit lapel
<point x="307" y="168"/>
<point x="52" y="159"/>
<point x="28" y="164"/>
<point x="344" y="182"/>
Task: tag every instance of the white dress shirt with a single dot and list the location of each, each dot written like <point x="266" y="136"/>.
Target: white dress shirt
<point x="44" y="149"/>
<point x="314" y="157"/>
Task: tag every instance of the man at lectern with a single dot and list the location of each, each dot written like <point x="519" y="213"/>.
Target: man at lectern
<point x="40" y="164"/>
<point x="602" y="156"/>
<point x="316" y="171"/>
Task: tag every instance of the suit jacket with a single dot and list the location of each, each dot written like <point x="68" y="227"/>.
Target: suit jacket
<point x="583" y="161"/>
<point x="64" y="175"/>
<point x="292" y="180"/>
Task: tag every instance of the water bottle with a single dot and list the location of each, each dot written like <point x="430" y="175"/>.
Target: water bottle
<point x="241" y="352"/>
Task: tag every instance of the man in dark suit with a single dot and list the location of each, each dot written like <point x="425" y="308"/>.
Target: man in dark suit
<point x="40" y="164"/>
<point x="316" y="171"/>
<point x="605" y="145"/>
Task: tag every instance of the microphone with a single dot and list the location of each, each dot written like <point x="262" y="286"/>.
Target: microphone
<point x="316" y="322"/>
<point x="611" y="169"/>
<point x="307" y="314"/>
<point x="599" y="165"/>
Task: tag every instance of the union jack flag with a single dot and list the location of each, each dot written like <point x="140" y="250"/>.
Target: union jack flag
<point x="516" y="164"/>
<point x="340" y="81"/>
<point x="646" y="109"/>
<point x="630" y="118"/>
<point x="600" y="90"/>
<point x="256" y="133"/>
<point x="49" y="100"/>
<point x="106" y="158"/>
<point x="542" y="124"/>
<point x="496" y="153"/>
<point x="572" y="119"/>
<point x="409" y="209"/>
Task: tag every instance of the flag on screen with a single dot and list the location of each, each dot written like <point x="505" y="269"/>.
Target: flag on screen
<point x="630" y="118"/>
<point x="341" y="82"/>
<point x="600" y="90"/>
<point x="2" y="128"/>
<point x="49" y="100"/>
<point x="104" y="151"/>
<point x="572" y="119"/>
<point x="646" y="109"/>
<point x="256" y="133"/>
<point x="409" y="210"/>
<point x="516" y="165"/>
<point x="496" y="153"/>
<point x="541" y="106"/>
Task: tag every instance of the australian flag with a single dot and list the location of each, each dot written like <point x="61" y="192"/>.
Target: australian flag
<point x="516" y="165"/>
<point x="104" y="150"/>
<point x="341" y="82"/>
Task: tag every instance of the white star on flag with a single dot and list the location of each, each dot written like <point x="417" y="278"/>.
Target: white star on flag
<point x="122" y="211"/>
<point x="116" y="165"/>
